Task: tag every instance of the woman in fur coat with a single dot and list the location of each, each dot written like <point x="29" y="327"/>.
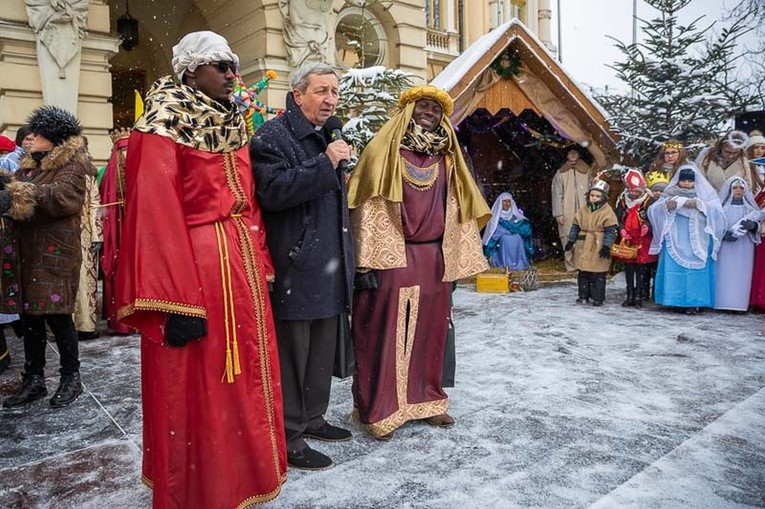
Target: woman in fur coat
<point x="45" y="201"/>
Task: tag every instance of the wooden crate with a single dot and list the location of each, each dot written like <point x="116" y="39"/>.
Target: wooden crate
<point x="492" y="283"/>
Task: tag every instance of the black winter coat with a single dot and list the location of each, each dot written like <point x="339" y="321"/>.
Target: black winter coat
<point x="305" y="210"/>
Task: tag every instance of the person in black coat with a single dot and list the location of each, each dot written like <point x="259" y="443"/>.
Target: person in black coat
<point x="302" y="193"/>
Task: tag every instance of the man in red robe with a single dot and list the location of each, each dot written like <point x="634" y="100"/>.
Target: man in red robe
<point x="416" y="213"/>
<point x="192" y="278"/>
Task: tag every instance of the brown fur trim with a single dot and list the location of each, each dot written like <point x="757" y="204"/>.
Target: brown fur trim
<point x="22" y="200"/>
<point x="73" y="148"/>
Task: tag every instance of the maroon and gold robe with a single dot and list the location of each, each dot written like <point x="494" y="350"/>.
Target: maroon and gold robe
<point x="399" y="329"/>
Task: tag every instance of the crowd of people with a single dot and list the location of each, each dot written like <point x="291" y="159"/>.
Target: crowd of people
<point x="239" y="259"/>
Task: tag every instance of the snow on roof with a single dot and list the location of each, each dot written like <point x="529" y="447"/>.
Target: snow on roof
<point x="460" y="66"/>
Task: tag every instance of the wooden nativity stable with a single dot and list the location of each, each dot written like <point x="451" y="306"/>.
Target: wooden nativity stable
<point x="517" y="113"/>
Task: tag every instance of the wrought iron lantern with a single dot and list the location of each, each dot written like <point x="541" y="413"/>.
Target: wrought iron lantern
<point x="127" y="28"/>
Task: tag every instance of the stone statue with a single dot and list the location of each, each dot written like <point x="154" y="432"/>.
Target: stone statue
<point x="60" y="27"/>
<point x="306" y="30"/>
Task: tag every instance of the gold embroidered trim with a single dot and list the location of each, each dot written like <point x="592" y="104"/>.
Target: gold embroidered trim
<point x="408" y="298"/>
<point x="256" y="284"/>
<point x="378" y="235"/>
<point x="266" y="497"/>
<point x="163" y="306"/>
<point x="148" y="482"/>
<point x="420" y="179"/>
<point x="461" y="246"/>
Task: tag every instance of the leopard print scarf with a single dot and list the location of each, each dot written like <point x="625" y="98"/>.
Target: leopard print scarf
<point x="189" y="117"/>
<point x="419" y="140"/>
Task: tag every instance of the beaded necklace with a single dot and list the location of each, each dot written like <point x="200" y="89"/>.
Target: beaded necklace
<point x="420" y="179"/>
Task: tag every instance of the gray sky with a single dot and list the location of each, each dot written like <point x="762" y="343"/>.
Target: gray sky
<point x="586" y="24"/>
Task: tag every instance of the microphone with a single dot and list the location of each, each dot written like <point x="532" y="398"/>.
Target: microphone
<point x="334" y="127"/>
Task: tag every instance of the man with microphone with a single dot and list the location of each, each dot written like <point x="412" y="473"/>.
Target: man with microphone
<point x="300" y="186"/>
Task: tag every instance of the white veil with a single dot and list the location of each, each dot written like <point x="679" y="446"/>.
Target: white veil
<point x="497" y="213"/>
<point x="753" y="212"/>
<point x="707" y="219"/>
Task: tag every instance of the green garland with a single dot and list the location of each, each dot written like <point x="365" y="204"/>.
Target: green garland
<point x="513" y="66"/>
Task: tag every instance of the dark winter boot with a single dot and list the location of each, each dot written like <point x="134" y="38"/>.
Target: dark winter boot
<point x="32" y="388"/>
<point x="598" y="288"/>
<point x="640" y="276"/>
<point x="68" y="390"/>
<point x="629" y="277"/>
<point x="584" y="288"/>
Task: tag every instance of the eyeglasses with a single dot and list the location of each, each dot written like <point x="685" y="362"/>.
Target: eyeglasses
<point x="224" y="66"/>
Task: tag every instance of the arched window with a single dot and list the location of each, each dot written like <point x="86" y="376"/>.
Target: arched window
<point x="359" y="38"/>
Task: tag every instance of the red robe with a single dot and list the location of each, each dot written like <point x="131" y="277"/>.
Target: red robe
<point x="633" y="223"/>
<point x="399" y="329"/>
<point x="112" y="215"/>
<point x="193" y="243"/>
<point x="757" y="294"/>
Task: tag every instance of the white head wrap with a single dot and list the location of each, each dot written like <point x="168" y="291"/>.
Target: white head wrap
<point x="753" y="212"/>
<point x="498" y="213"/>
<point x="757" y="139"/>
<point x="706" y="220"/>
<point x="199" y="48"/>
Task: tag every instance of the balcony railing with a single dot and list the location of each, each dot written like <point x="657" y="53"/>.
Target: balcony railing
<point x="443" y="43"/>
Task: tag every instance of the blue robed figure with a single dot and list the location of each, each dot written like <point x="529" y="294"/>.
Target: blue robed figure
<point x="507" y="240"/>
<point x="688" y="224"/>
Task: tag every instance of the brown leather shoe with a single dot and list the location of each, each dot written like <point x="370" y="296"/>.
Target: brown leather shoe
<point x="441" y="421"/>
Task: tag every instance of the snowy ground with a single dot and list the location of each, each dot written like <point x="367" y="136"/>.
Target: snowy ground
<point x="557" y="405"/>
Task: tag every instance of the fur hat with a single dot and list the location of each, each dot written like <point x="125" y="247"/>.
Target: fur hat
<point x="54" y="124"/>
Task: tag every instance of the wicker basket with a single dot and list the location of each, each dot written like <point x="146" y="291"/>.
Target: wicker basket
<point x="623" y="251"/>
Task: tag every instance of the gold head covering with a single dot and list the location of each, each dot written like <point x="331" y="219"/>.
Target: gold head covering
<point x="379" y="170"/>
<point x="428" y="92"/>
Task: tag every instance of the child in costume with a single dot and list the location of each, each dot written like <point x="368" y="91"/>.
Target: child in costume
<point x="688" y="226"/>
<point x="632" y="213"/>
<point x="592" y="233"/>
<point x="657" y="182"/>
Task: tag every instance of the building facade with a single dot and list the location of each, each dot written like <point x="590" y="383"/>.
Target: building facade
<point x="70" y="53"/>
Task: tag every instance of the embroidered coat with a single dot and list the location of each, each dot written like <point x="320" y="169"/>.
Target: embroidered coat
<point x="85" y="309"/>
<point x="46" y="201"/>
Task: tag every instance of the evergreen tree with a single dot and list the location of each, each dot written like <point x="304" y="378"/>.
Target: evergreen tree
<point x="369" y="96"/>
<point x="682" y="83"/>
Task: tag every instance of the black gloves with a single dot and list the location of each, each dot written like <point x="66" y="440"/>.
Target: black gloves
<point x="180" y="329"/>
<point x="364" y="281"/>
<point x="569" y="246"/>
<point x="728" y="237"/>
<point x="605" y="252"/>
<point x="749" y="225"/>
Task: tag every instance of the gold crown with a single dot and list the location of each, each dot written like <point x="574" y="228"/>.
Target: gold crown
<point x="428" y="92"/>
<point x="119" y="134"/>
<point x="673" y="144"/>
<point x="656" y="177"/>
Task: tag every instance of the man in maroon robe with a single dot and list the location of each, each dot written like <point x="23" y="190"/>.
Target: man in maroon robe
<point x="416" y="214"/>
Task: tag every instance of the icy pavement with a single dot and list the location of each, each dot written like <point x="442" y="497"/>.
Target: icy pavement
<point x="557" y="405"/>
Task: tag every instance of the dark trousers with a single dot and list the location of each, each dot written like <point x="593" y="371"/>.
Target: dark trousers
<point x="3" y="344"/>
<point x="592" y="285"/>
<point x="35" y="341"/>
<point x="635" y="276"/>
<point x="306" y="355"/>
